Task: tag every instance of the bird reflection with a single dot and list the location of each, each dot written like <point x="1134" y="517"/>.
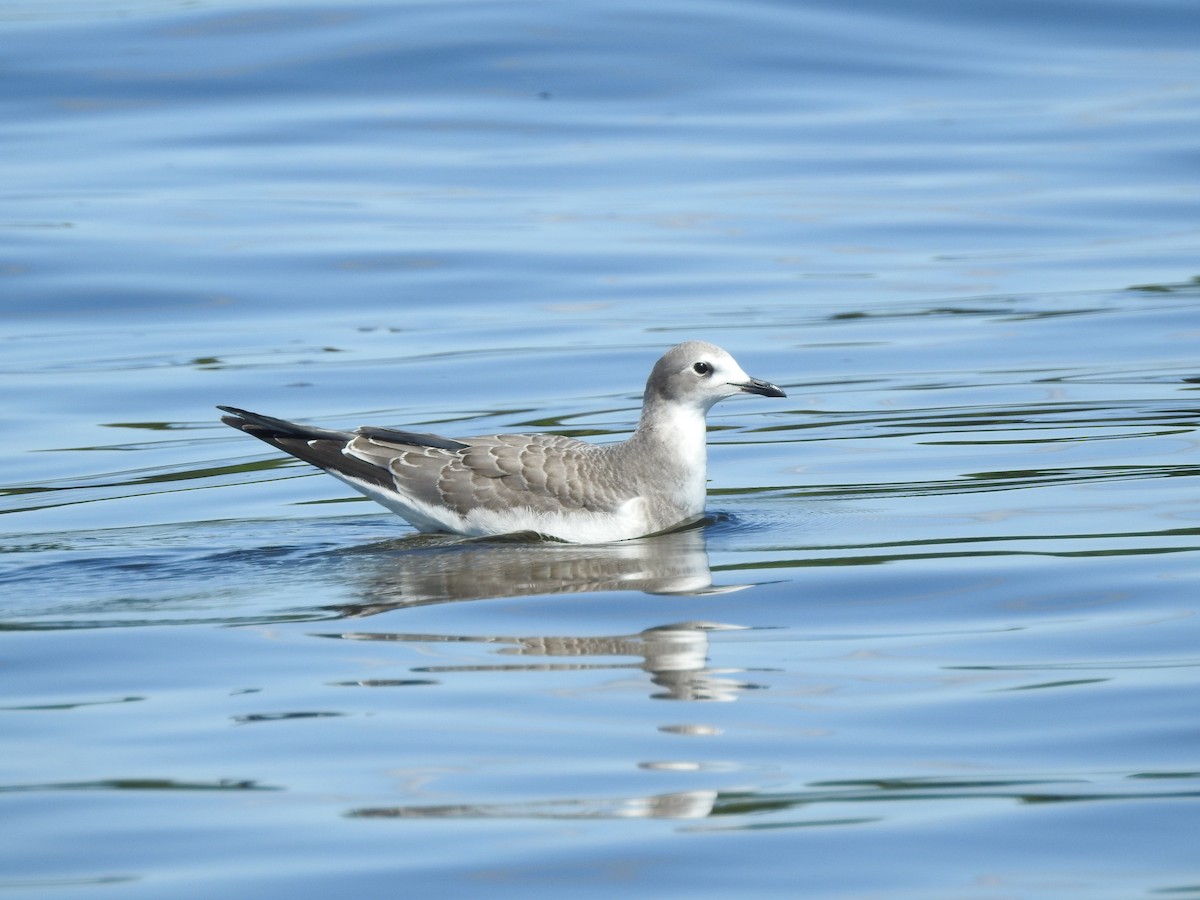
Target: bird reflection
<point x="425" y="570"/>
<point x="417" y="572"/>
<point x="675" y="656"/>
<point x="679" y="805"/>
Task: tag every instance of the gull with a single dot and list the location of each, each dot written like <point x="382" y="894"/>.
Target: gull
<point x="556" y="486"/>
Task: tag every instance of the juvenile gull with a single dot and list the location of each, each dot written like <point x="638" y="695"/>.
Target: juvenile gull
<point x="555" y="485"/>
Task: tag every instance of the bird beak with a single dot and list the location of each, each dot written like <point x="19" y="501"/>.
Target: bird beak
<point x="758" y="386"/>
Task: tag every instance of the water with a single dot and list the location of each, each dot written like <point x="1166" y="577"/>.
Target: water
<point x="937" y="640"/>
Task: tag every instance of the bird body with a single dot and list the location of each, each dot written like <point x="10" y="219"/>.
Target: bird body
<point x="551" y="484"/>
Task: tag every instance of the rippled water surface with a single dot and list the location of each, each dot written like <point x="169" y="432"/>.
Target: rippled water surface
<point x="938" y="636"/>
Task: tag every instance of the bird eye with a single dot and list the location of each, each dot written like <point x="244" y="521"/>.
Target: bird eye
<point x="702" y="368"/>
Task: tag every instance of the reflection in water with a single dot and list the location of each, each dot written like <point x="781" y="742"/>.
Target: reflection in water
<point x="140" y="784"/>
<point x="427" y="570"/>
<point x="681" y="805"/>
<point x="419" y="571"/>
<point x="675" y="656"/>
<point x="872" y="800"/>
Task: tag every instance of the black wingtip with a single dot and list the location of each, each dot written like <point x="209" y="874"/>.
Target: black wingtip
<point x="265" y="427"/>
<point x="239" y="418"/>
<point x="320" y="447"/>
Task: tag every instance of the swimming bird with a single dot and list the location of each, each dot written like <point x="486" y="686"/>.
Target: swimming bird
<point x="551" y="484"/>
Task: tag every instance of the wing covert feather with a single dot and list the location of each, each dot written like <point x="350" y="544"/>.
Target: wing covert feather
<point x="542" y="472"/>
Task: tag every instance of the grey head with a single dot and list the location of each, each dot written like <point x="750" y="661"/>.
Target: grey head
<point x="696" y="374"/>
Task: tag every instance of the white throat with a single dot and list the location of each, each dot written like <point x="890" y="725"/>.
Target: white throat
<point x="678" y="438"/>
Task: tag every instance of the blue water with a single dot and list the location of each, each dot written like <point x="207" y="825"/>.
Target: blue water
<point x="939" y="637"/>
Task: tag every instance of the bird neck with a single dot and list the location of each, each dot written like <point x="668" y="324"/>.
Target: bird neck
<point x="674" y="434"/>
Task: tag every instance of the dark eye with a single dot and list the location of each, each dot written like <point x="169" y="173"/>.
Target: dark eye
<point x="702" y="368"/>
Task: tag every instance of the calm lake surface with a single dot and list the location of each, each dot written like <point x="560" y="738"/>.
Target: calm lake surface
<point x="939" y="638"/>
